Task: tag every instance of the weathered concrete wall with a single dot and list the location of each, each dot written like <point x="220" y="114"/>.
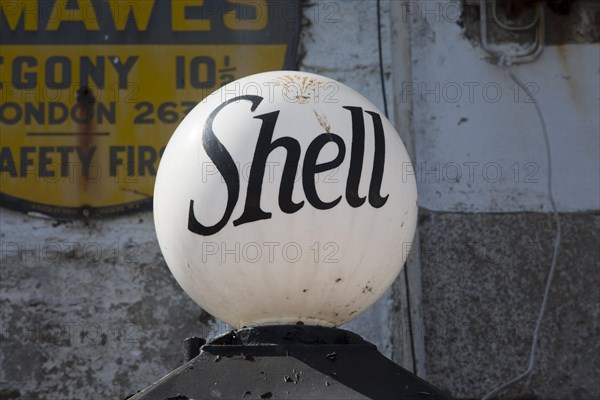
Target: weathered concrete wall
<point x="88" y="310"/>
<point x="483" y="281"/>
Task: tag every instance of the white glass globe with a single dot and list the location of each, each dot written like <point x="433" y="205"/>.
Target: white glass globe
<point x="283" y="197"/>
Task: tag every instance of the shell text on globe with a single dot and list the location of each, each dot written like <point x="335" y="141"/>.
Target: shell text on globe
<point x="226" y="166"/>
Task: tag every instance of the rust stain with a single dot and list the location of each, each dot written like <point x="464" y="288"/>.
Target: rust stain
<point x="134" y="191"/>
<point x="299" y="88"/>
<point x="85" y="113"/>
<point x="562" y="55"/>
<point x="567" y="74"/>
<point x="323" y="121"/>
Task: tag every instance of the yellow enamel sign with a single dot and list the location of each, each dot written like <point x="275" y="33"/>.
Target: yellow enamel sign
<point x="91" y="90"/>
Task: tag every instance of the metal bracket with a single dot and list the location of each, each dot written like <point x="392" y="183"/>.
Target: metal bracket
<point x="524" y="55"/>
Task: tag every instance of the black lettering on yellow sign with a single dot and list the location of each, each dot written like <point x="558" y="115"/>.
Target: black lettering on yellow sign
<point x="122" y="15"/>
<point x="61" y="161"/>
<point x="49" y="161"/>
<point x="59" y="74"/>
<point x="91" y="90"/>
<point x="54" y="113"/>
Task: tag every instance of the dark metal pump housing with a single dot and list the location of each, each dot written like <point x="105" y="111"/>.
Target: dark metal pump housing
<point x="287" y="362"/>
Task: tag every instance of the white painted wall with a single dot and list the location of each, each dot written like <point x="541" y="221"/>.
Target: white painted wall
<point x="471" y="120"/>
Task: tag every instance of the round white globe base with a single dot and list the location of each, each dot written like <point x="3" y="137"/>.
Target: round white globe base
<point x="283" y="197"/>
